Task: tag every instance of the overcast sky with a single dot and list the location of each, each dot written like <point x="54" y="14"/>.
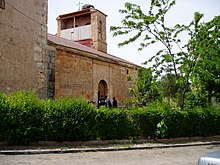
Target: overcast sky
<point x="181" y="13"/>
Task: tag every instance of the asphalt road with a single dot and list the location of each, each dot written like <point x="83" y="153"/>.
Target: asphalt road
<point x="167" y="156"/>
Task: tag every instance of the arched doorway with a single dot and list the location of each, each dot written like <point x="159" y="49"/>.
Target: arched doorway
<point x="102" y="91"/>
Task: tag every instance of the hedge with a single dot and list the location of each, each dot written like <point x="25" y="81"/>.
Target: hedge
<point x="25" y="118"/>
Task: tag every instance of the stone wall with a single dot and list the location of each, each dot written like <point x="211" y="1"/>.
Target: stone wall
<point x="78" y="73"/>
<point x="73" y="75"/>
<point x="23" y="33"/>
<point x="50" y="79"/>
<point x="98" y="25"/>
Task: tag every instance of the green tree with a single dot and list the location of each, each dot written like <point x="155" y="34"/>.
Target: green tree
<point x="188" y="60"/>
<point x="153" y="29"/>
<point x="168" y="86"/>
<point x="146" y="89"/>
<point x="206" y="44"/>
<point x="181" y="61"/>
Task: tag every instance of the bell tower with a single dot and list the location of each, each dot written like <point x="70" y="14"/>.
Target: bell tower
<point x="87" y="27"/>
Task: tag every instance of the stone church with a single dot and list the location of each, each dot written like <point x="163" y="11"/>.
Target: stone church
<point x="74" y="62"/>
<point x="82" y="65"/>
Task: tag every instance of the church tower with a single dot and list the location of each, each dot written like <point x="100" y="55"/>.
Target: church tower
<point x="87" y="27"/>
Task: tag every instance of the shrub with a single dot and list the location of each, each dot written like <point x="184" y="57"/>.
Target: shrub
<point x="161" y="129"/>
<point x="24" y="117"/>
<point x="146" y="121"/>
<point x="113" y="124"/>
<point x="196" y="122"/>
<point x="147" y="118"/>
<point x="204" y="122"/>
<point x="69" y="119"/>
<point x="3" y="116"/>
<point x="177" y="122"/>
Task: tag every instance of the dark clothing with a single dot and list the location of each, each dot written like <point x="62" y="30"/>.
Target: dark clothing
<point x="114" y="103"/>
<point x="101" y="102"/>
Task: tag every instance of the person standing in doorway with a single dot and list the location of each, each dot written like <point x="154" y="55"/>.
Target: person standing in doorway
<point x="107" y="102"/>
<point x="114" y="103"/>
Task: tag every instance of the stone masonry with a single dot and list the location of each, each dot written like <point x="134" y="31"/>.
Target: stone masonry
<point x="23" y="32"/>
<point x="79" y="71"/>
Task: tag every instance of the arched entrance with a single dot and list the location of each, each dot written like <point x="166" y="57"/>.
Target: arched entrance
<point x="102" y="91"/>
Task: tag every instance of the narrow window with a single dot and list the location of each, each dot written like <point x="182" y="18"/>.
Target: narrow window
<point x="100" y="29"/>
<point x="127" y="71"/>
<point x="2" y="4"/>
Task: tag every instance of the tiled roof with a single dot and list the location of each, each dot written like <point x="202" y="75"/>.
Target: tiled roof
<point x="71" y="44"/>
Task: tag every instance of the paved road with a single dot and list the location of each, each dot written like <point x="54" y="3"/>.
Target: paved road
<point x="168" y="156"/>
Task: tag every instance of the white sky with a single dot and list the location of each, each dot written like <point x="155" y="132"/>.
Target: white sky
<point x="181" y="13"/>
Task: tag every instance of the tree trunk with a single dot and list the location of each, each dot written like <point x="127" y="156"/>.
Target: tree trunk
<point x="183" y="91"/>
<point x="210" y="98"/>
<point x="182" y="99"/>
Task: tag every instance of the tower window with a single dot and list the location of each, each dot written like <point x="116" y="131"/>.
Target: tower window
<point x="100" y="29"/>
<point x="2" y="4"/>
